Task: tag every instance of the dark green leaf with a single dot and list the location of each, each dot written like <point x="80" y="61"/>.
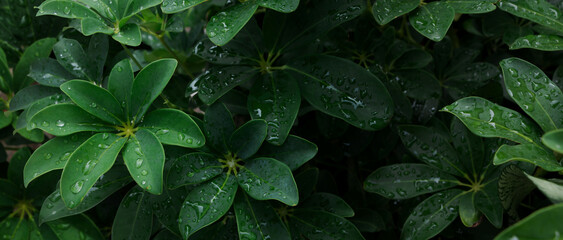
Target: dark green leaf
<point x="217" y="81"/>
<point x="387" y="10"/>
<point x="120" y="82"/>
<point x="235" y="52"/>
<point x="307" y="182"/>
<point x="174" y="127"/>
<point x="134" y="7"/>
<point x="133" y="219"/>
<point x="469" y="146"/>
<point x="17" y="228"/>
<point x="5" y="73"/>
<point x="267" y="178"/>
<point x="321" y="225"/>
<point x="130" y="34"/>
<point x="17" y="164"/>
<point x="90" y="26"/>
<point x="76" y="227"/>
<point x="248" y="138"/>
<point x="97" y="52"/>
<point x="329" y="203"/>
<point x="433" y="20"/>
<point x="72" y="57"/>
<point x="66" y="119"/>
<point x="488" y="202"/>
<point x="206" y="203"/>
<point x="546" y="219"/>
<point x="218" y="127"/>
<point x="66" y="9"/>
<point x="285" y="6"/>
<point x="49" y="72"/>
<point x="539" y="42"/>
<point x="193" y="168"/>
<point x="258" y="219"/>
<point x="39" y="105"/>
<point x="472" y="6"/>
<point x="94" y="100"/>
<point x="226" y="24"/>
<point x="554" y="140"/>
<point x="294" y="152"/>
<point x="345" y="90"/>
<point x="419" y="84"/>
<point x="553" y="190"/>
<point x="513" y="187"/>
<point x="39" y="49"/>
<point x="9" y="193"/>
<point x="144" y="156"/>
<point x="28" y="95"/>
<point x="539" y="11"/>
<point x="468" y="212"/>
<point x="412" y="59"/>
<point x="174" y="6"/>
<point x="86" y="164"/>
<point x="527" y="153"/>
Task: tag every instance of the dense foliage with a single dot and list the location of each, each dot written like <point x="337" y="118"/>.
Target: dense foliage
<point x="281" y="119"/>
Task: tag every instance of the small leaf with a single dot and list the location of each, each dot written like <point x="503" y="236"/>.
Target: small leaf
<point x="419" y="84"/>
<point x="487" y="119"/>
<point x="217" y="81"/>
<point x="236" y="52"/>
<point x="65" y="119"/>
<point x="173" y="127"/>
<point x="546" y="219"/>
<point x="329" y="203"/>
<point x="48" y="72"/>
<point x="120" y="82"/>
<point x="248" y="138"/>
<point x="218" y="127"/>
<point x="539" y="42"/>
<point x="129" y="34"/>
<point x="39" y="49"/>
<point x="467" y="145"/>
<point x="258" y="219"/>
<point x="488" y="202"/>
<point x="52" y="155"/>
<point x="90" y="26"/>
<point x="144" y="157"/>
<point x="97" y="52"/>
<point x="472" y="6"/>
<point x="94" y="100"/>
<point x="71" y="56"/>
<point x="86" y="164"/>
<point x="527" y="153"/>
<point x="29" y="95"/>
<point x="553" y="190"/>
<point x="387" y="10"/>
<point x="76" y="227"/>
<point x="468" y="212"/>
<point x="407" y="180"/>
<point x="223" y="26"/>
<point x="174" y="6"/>
<point x="148" y="84"/>
<point x="193" y="168"/>
<point x="532" y="90"/>
<point x="284" y="6"/>
<point x="133" y="219"/>
<point x="267" y="178"/>
<point x="294" y="152"/>
<point x="432" y="215"/>
<point x="66" y="9"/>
<point x="206" y="203"/>
<point x="321" y="225"/>
<point x="554" y="140"/>
<point x="540" y="11"/>
<point x="433" y="20"/>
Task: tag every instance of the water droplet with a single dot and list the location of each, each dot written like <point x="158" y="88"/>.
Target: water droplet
<point x="47" y="155"/>
<point x="139" y="162"/>
<point x="60" y="123"/>
<point x="77" y="187"/>
<point x="144" y="172"/>
<point x="45" y="124"/>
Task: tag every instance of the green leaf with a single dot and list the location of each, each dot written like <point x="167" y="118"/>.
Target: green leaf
<point x="6" y="118"/>
<point x="17" y="228"/>
<point x="76" y="227"/>
<point x="433" y="20"/>
<point x="469" y="146"/>
<point x="144" y="157"/>
<point x="16" y="166"/>
<point x="71" y="56"/>
<point x="54" y="208"/>
<point x="472" y="6"/>
<point x="120" y="82"/>
<point x="532" y="90"/>
<point x="431" y="147"/>
<point x="129" y="34"/>
<point x="9" y="193"/>
<point x="387" y="10"/>
<point x="104" y="8"/>
<point x="39" y="49"/>
<point x="34" y="135"/>
<point x="86" y="164"/>
<point x="29" y="95"/>
<point x="236" y="52"/>
<point x="407" y="180"/>
<point x="432" y="215"/>
<point x="90" y="26"/>
<point x="267" y="178"/>
<point x="248" y="138"/>
<point x="94" y="100"/>
<point x="217" y="81"/>
<point x="193" y="168"/>
<point x="513" y="187"/>
<point x="258" y="219"/>
<point x="345" y="90"/>
<point x="329" y="203"/>
<point x="39" y="105"/>
<point x="66" y="9"/>
<point x="49" y="72"/>
<point x="468" y="212"/>
<point x="52" y="155"/>
<point x="527" y="153"/>
<point x="419" y="84"/>
<point x="206" y="204"/>
<point x="133" y="219"/>
<point x="174" y="6"/>
<point x="487" y="119"/>
<point x="97" y="52"/>
<point x="148" y="84"/>
<point x="546" y="219"/>
<point x="554" y="140"/>
<point x="276" y="99"/>
<point x="321" y="225"/>
<point x="553" y="190"/>
<point x="166" y="208"/>
<point x="285" y="6"/>
<point x="134" y="7"/>
<point x="412" y="59"/>
<point x="539" y="42"/>
<point x="307" y="182"/>
<point x="5" y="73"/>
<point x="173" y="127"/>
<point x="65" y="119"/>
<point x="294" y="152"/>
<point x="223" y="26"/>
<point x="540" y="11"/>
<point x="488" y="202"/>
<point x="218" y="127"/>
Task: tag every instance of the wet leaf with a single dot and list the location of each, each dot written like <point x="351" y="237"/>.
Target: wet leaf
<point x="174" y="6"/>
<point x="66" y="9"/>
<point x="76" y="227"/>
<point x="527" y="153"/>
<point x="387" y="10"/>
<point x="553" y="189"/>
<point x="218" y="127"/>
<point x="144" y="157"/>
<point x="173" y="127"/>
<point x="321" y="225"/>
<point x="488" y="202"/>
<point x="39" y="49"/>
<point x="294" y="152"/>
<point x="65" y="119"/>
<point x="329" y="203"/>
<point x="539" y="42"/>
<point x="129" y="34"/>
<point x="433" y="20"/>
<point x="258" y="219"/>
<point x="468" y="212"/>
<point x="29" y="95"/>
<point x="120" y="81"/>
<point x="472" y="6"/>
<point x="469" y="146"/>
<point x="193" y="168"/>
<point x="223" y="26"/>
<point x="71" y="56"/>
<point x="546" y="219"/>
<point x="48" y="72"/>
<point x="217" y="81"/>
<point x="539" y="11"/>
<point x="94" y="100"/>
<point x="554" y="140"/>
<point x="133" y="219"/>
<point x="248" y="138"/>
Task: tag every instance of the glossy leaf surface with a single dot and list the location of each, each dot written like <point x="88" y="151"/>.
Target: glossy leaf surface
<point x="173" y="6"/>
<point x="144" y="157"/>
<point x="173" y="127"/>
<point x="223" y="26"/>
<point x="554" y="140"/>
<point x="553" y="190"/>
<point x="218" y="127"/>
<point x="258" y="219"/>
<point x="49" y="72"/>
<point x="472" y="6"/>
<point x="193" y="168"/>
<point x="433" y="20"/>
<point x="76" y="227"/>
<point x="528" y="153"/>
<point x="294" y="152"/>
<point x="133" y="219"/>
<point x="39" y="49"/>
<point x="317" y="225"/>
<point x="66" y="119"/>
<point x="94" y="100"/>
<point x="120" y="82"/>
<point x="540" y="11"/>
<point x="387" y="10"/>
<point x="72" y="57"/>
<point x="248" y="138"/>
<point x="545" y="219"/>
<point x="539" y="42"/>
<point x="215" y="82"/>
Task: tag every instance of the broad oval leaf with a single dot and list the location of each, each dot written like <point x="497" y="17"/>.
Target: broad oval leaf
<point x="407" y="180"/>
<point x="345" y="90"/>
<point x="38" y="106"/>
<point x="65" y="119"/>
<point x="52" y="155"/>
<point x="532" y="90"/>
<point x="248" y="138"/>
<point x="217" y="81"/>
<point x="540" y="11"/>
<point x="285" y="6"/>
<point x="173" y="127"/>
<point x="472" y="6"/>
<point x="129" y="34"/>
<point x="321" y="225"/>
<point x="237" y="52"/>
<point x="66" y="9"/>
<point x="94" y="100"/>
<point x="86" y="164"/>
<point x="144" y="157"/>
<point x="193" y="168"/>
<point x="488" y="202"/>
<point x="385" y="11"/>
<point x="329" y="203"/>
<point x="39" y="49"/>
<point x="294" y="152"/>
<point x="120" y="82"/>
<point x="553" y="189"/>
<point x="76" y="227"/>
<point x="29" y="95"/>
<point x="267" y="178"/>
<point x="469" y="146"/>
<point x="433" y="20"/>
<point x="218" y="127"/>
<point x="48" y="72"/>
<point x="133" y="219"/>
<point x="206" y="203"/>
<point x="174" y="6"/>
<point x="487" y="119"/>
<point x="275" y="98"/>
<point x="148" y="84"/>
<point x="71" y="56"/>
<point x="432" y="215"/>
<point x="531" y="153"/>
<point x="539" y="42"/>
<point x="546" y="219"/>
<point x="258" y="219"/>
<point x="468" y="212"/>
<point x="134" y="7"/>
<point x="226" y="24"/>
<point x="554" y="140"/>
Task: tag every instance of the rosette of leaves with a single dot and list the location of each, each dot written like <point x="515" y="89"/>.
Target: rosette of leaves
<point x="110" y="17"/>
<point x="456" y="169"/>
<point x="538" y="97"/>
<point x="225" y="25"/>
<point x="236" y="168"/>
<point x="19" y="206"/>
<point x="273" y="59"/>
<point x="117" y="117"/>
